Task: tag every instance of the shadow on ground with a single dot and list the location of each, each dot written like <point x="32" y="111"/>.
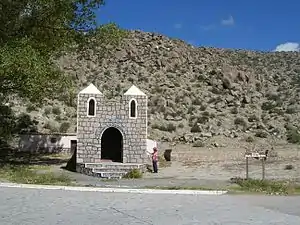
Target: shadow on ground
<point x="10" y="156"/>
<point x="11" y="125"/>
<point x="71" y="163"/>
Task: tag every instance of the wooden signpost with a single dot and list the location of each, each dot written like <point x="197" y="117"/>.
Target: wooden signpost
<point x="259" y="156"/>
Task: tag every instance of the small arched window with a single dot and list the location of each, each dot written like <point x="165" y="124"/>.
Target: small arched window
<point x="91" y="107"/>
<point x="133" y="109"/>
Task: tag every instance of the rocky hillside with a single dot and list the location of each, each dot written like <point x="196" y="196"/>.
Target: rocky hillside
<point x="194" y="93"/>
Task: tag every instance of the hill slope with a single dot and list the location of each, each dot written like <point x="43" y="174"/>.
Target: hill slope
<point x="194" y="93"/>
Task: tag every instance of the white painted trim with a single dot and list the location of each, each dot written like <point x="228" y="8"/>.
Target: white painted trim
<point x="91" y="89"/>
<point x="87" y="106"/>
<point x="113" y="190"/>
<point x="136" y="108"/>
<point x="146" y="119"/>
<point x="111" y="127"/>
<point x="135" y="91"/>
<point x="78" y="97"/>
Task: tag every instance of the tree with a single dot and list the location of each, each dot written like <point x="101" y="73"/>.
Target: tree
<point x="32" y="33"/>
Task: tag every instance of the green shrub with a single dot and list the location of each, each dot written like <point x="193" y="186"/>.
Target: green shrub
<point x="24" y="123"/>
<point x="56" y="110"/>
<point x="191" y="109"/>
<point x="250" y="139"/>
<point x="133" y="174"/>
<point x="240" y="121"/>
<point x="58" y="118"/>
<point x="203" y="119"/>
<point x="216" y="91"/>
<point x="261" y="134"/>
<point x="290" y="126"/>
<point x="51" y="126"/>
<point x="263" y="186"/>
<point x="64" y="127"/>
<point x="199" y="144"/>
<point x="258" y="86"/>
<point x="47" y="110"/>
<point x="234" y="110"/>
<point x="181" y="125"/>
<point x="213" y="72"/>
<point x="206" y="114"/>
<point x="107" y="73"/>
<point x="289" y="167"/>
<point x="278" y="111"/>
<point x="293" y="136"/>
<point x="30" y="107"/>
<point x="268" y="106"/>
<point x="253" y="118"/>
<point x="197" y="101"/>
<point x="203" y="107"/>
<point x="195" y="128"/>
<point x="170" y="127"/>
<point x="274" y="97"/>
<point x="291" y="110"/>
<point x="226" y="83"/>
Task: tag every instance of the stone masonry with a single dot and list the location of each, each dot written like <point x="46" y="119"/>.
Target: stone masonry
<point x="111" y="114"/>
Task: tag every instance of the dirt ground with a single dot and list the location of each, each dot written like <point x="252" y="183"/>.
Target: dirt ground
<point x="208" y="166"/>
<point x="227" y="161"/>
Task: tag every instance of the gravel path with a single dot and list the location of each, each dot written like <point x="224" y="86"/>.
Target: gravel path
<point x="50" y="207"/>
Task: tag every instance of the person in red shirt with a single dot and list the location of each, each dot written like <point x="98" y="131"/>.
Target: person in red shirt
<point x="155" y="159"/>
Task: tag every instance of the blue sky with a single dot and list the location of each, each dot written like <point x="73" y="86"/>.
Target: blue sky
<point x="252" y="24"/>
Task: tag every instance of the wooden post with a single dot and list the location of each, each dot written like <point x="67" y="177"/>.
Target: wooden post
<point x="263" y="168"/>
<point x="247" y="168"/>
<point x="261" y="157"/>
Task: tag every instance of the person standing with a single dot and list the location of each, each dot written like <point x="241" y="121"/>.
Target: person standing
<point x="155" y="160"/>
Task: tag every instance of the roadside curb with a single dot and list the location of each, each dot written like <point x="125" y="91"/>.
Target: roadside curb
<point x="113" y="190"/>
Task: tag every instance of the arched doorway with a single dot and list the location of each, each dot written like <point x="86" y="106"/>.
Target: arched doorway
<point x="112" y="145"/>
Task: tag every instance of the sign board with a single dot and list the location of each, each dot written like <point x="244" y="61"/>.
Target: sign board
<point x="255" y="155"/>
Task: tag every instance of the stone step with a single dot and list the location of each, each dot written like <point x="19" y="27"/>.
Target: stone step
<point x="104" y="169"/>
<point x="109" y="169"/>
<point x="113" y="166"/>
<point x="111" y="174"/>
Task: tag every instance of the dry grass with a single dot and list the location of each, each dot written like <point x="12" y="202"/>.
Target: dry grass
<point x="266" y="186"/>
<point x="33" y="175"/>
<point x="30" y="168"/>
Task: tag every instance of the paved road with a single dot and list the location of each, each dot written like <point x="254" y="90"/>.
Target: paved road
<point x="50" y="207"/>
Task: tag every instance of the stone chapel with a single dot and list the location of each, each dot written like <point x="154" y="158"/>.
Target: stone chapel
<point x="109" y="130"/>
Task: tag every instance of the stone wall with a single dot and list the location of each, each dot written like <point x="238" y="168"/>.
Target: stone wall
<point x="46" y="143"/>
<point x="111" y="114"/>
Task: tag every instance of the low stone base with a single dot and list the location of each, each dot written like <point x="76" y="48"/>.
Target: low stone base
<point x="108" y="170"/>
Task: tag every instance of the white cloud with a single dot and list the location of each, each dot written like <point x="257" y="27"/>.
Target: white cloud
<point x="288" y="47"/>
<point x="228" y="22"/>
<point x="178" y="25"/>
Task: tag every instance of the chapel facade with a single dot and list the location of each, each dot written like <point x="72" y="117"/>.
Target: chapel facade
<point x="109" y="130"/>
